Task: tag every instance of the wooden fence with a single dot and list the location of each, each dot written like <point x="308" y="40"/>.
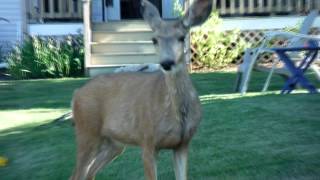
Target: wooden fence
<point x="46" y="10"/>
<point x="269" y="7"/>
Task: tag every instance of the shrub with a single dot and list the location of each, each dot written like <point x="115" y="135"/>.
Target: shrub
<point x="214" y="48"/>
<point x="47" y="58"/>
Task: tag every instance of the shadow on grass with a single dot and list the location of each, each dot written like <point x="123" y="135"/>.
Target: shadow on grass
<point x="250" y="137"/>
<point x="224" y="82"/>
<point x="57" y="93"/>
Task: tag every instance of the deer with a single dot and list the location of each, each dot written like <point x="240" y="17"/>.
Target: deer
<point x="152" y="110"/>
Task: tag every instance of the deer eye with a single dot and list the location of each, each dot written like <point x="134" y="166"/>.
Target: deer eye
<point x="154" y="41"/>
<point x="181" y="39"/>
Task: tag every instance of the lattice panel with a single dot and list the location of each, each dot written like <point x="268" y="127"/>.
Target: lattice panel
<point x="254" y="37"/>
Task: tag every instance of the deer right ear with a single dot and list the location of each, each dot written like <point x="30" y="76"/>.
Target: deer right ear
<point x="150" y="14"/>
<point x="198" y="13"/>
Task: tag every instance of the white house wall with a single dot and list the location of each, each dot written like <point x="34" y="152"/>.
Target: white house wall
<point x="11" y="32"/>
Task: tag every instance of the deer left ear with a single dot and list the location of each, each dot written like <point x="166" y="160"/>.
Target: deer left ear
<point x="198" y="13"/>
<point x="150" y="14"/>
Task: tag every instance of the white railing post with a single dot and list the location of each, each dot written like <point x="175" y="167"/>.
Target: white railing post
<point x="251" y="6"/>
<point x="232" y="8"/>
<point x="261" y="7"/>
<point x="308" y="5"/>
<point x="241" y="6"/>
<point x="223" y="7"/>
<point x="289" y="6"/>
<point x="51" y="9"/>
<point x="61" y="11"/>
<point x="87" y="32"/>
<point x="298" y="6"/>
<point x="79" y="9"/>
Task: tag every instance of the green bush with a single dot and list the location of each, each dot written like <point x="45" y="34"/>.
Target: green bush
<point x="47" y="58"/>
<point x="213" y="47"/>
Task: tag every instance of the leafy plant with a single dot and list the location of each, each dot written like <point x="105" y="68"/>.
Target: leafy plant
<point x="177" y="8"/>
<point x="213" y="47"/>
<point x="47" y="58"/>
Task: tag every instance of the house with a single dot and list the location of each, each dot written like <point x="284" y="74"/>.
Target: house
<point x="114" y="33"/>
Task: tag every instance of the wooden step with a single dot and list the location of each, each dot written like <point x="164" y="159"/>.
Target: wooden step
<point x="123" y="59"/>
<point x="120" y="26"/>
<point x="97" y="70"/>
<point x="123" y="46"/>
<point x="103" y="36"/>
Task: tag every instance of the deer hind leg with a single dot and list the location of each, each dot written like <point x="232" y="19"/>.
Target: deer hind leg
<point x="180" y="157"/>
<point x="149" y="162"/>
<point x="87" y="150"/>
<point x="107" y="152"/>
<point x="92" y="155"/>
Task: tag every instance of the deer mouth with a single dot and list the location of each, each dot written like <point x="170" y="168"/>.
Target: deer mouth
<point x="167" y="65"/>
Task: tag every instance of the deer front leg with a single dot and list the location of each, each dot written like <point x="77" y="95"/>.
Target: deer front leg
<point x="180" y="158"/>
<point x="149" y="162"/>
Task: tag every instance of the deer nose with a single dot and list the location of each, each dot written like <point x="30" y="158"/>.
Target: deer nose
<point x="167" y="64"/>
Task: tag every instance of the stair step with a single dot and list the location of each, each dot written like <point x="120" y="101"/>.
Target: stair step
<point x="123" y="59"/>
<point x="102" y="36"/>
<point x="123" y="46"/>
<point x="97" y="70"/>
<point x="121" y="26"/>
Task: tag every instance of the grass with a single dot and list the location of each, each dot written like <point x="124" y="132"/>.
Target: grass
<point x="257" y="136"/>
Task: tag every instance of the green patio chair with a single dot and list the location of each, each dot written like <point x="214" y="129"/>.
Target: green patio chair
<point x="251" y="54"/>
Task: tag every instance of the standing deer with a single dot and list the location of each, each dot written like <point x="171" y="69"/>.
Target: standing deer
<point x="156" y="110"/>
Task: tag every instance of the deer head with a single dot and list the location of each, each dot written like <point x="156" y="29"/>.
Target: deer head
<point x="169" y="36"/>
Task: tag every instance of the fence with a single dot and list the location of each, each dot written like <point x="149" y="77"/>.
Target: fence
<point x="252" y="37"/>
<point x="269" y="7"/>
<point x="48" y="10"/>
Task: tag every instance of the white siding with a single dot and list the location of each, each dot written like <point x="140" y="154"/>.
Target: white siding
<point x="11" y="32"/>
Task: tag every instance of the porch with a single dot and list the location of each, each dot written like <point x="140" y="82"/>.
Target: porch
<point x="59" y="17"/>
<point x="43" y="11"/>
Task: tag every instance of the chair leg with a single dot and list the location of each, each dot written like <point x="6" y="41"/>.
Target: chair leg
<point x="249" y="60"/>
<point x="267" y="83"/>
<point x="238" y="81"/>
<point x="316" y="70"/>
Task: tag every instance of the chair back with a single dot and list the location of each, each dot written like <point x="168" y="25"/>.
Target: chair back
<point x="308" y="21"/>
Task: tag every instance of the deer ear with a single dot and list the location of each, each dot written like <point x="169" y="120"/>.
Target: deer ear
<point x="150" y="14"/>
<point x="197" y="13"/>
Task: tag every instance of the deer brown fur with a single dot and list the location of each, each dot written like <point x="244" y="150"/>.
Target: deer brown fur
<point x="156" y="110"/>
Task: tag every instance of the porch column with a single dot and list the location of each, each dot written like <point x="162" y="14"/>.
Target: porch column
<point x="87" y="32"/>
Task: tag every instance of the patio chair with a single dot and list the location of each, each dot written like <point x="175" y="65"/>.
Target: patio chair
<point x="252" y="54"/>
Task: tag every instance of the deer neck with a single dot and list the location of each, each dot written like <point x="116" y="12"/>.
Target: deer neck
<point x="180" y="92"/>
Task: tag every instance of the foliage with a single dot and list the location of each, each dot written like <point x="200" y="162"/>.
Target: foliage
<point x="177" y="8"/>
<point x="294" y="29"/>
<point x="215" y="48"/>
<point x="47" y="58"/>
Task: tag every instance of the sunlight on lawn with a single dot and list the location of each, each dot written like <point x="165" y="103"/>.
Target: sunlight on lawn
<point x="15" y="118"/>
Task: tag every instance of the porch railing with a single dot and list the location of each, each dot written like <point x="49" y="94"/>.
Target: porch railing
<point x="267" y="7"/>
<point x="54" y="10"/>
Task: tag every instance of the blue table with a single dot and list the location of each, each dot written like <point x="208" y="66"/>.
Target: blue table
<point x="299" y="70"/>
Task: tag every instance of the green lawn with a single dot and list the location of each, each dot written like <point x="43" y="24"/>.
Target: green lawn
<point x="257" y="136"/>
